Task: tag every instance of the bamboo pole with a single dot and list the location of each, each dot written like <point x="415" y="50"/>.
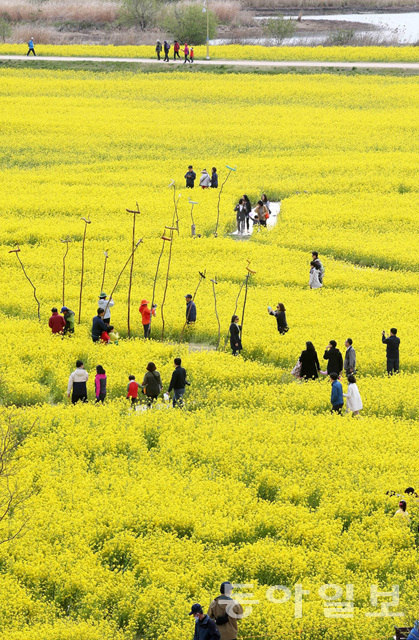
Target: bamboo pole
<point x="122" y="271"/>
<point x="104" y="270"/>
<point x="230" y="169"/>
<point x="165" y="239"/>
<point x="201" y="277"/>
<point x="17" y="251"/>
<point x="86" y="222"/>
<point x="134" y="212"/>
<point x="214" y="282"/>
<point x="249" y="273"/>
<point x="66" y="241"/>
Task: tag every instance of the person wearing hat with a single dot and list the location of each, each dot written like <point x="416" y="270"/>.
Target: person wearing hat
<point x="190" y="309"/>
<point x="205" y="180"/>
<point x="106" y="306"/>
<point x="69" y="318"/>
<point x="56" y="322"/>
<point x="225" y="612"/>
<point x="205" y="628"/>
<point x="146" y="316"/>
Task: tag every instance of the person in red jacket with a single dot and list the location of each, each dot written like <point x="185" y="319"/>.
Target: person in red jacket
<point x="191" y="55"/>
<point x="146" y="316"/>
<point x="56" y="322"/>
<point x="132" y="389"/>
<point x="176" y="49"/>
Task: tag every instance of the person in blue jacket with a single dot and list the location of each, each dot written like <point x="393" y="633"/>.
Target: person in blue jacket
<point x="337" y="394"/>
<point x="99" y="325"/>
<point x="190" y="309"/>
<point x="205" y="628"/>
<point x="414" y="634"/>
<point x="31" y="48"/>
<point x="393" y="343"/>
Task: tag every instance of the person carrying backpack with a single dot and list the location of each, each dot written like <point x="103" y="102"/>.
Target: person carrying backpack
<point x="166" y="47"/>
<point x="176" y="49"/>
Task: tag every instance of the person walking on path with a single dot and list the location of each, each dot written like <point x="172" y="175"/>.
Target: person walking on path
<point x="205" y="180"/>
<point x="152" y="384"/>
<point x="98" y="326"/>
<point x="132" y="389"/>
<point x="353" y="397"/>
<point x="310" y="366"/>
<point x="262" y="213"/>
<point x="31" y="47"/>
<point x="186" y="53"/>
<point x="146" y="316"/>
<point x="190" y="177"/>
<point x="190" y="309"/>
<point x="56" y="322"/>
<point x="318" y="264"/>
<point x="336" y="397"/>
<point x="77" y="383"/>
<point x="214" y="178"/>
<point x="266" y="202"/>
<point x="314" y="280"/>
<point x="349" y="363"/>
<point x="166" y="47"/>
<point x="240" y="216"/>
<point x="158" y="49"/>
<point x="205" y="628"/>
<point x="69" y="318"/>
<point x="248" y="209"/>
<point x="176" y="49"/>
<point x="281" y="318"/>
<point x="392" y="351"/>
<point x="225" y="612"/>
<point x="100" y="384"/>
<point x="235" y="339"/>
<point x="191" y="55"/>
<point x="334" y="358"/>
<point x="106" y="305"/>
<point x="178" y="383"/>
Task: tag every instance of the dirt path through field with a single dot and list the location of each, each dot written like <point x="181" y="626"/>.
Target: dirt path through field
<point x="412" y="66"/>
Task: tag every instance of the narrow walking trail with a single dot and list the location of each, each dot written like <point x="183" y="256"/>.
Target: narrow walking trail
<point x="412" y="66"/>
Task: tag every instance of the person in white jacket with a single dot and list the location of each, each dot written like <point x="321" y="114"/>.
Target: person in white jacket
<point x="77" y="383"/>
<point x="353" y="397"/>
<point x="106" y="305"/>
<point x="205" y="180"/>
<point x="314" y="276"/>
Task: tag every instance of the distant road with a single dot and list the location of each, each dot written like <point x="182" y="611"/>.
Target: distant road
<point x="408" y="66"/>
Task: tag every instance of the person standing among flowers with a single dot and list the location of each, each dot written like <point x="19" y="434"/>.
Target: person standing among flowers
<point x="99" y="326"/>
<point x="214" y="178"/>
<point x="248" y="209"/>
<point x="310" y="366"/>
<point x="353" y="397"/>
<point x="69" y="318"/>
<point x="106" y="305"/>
<point x="190" y="309"/>
<point x="190" y="177"/>
<point x="281" y="318"/>
<point x="318" y="264"/>
<point x="240" y="216"/>
<point x="235" y="339"/>
<point x="77" y="383"/>
<point x="146" y="314"/>
<point x="336" y="397"/>
<point x="132" y="389"/>
<point x="392" y="351"/>
<point x="334" y="358"/>
<point x="178" y="383"/>
<point x="314" y="280"/>
<point x="225" y="612"/>
<point x="56" y="322"/>
<point x="349" y="364"/>
<point x="100" y="384"/>
<point x="205" y="180"/>
<point x="152" y="384"/>
<point x="205" y="628"/>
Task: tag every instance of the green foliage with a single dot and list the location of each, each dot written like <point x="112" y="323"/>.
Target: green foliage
<point x="142" y="13"/>
<point x="279" y="28"/>
<point x="189" y="23"/>
<point x="341" y="38"/>
<point x="5" y="29"/>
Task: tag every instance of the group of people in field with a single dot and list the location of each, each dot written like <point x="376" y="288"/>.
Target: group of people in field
<point x="151" y="387"/>
<point x="206" y="181"/>
<point x="259" y="214"/>
<point x="188" y="52"/>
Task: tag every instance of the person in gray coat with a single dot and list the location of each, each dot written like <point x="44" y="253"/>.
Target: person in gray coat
<point x="152" y="384"/>
<point x="350" y="358"/>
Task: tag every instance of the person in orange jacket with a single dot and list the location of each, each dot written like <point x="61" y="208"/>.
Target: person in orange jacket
<point x="146" y="316"/>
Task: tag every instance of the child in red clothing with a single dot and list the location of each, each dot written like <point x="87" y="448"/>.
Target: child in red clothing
<point x="132" y="390"/>
<point x="104" y="337"/>
<point x="191" y="55"/>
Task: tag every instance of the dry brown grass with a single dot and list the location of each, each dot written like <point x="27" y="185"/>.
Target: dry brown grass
<point x="295" y="5"/>
<point x="55" y="11"/>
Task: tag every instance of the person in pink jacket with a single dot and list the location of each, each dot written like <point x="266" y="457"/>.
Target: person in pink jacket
<point x="100" y="384"/>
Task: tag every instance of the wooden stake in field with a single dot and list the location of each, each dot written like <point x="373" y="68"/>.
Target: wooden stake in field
<point x="230" y="169"/>
<point x="136" y="245"/>
<point x="135" y="213"/>
<point x="17" y="251"/>
<point x="214" y="282"/>
<point x="86" y="222"/>
<point x="175" y="219"/>
<point x="66" y="241"/>
<point x="193" y="228"/>
<point x="171" y="229"/>
<point x="106" y="254"/>
<point x="165" y="239"/>
<point x="201" y="277"/>
<point x="249" y="273"/>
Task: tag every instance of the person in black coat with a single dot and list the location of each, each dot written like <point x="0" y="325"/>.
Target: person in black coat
<point x="280" y="316"/>
<point x="214" y="178"/>
<point x="393" y="343"/>
<point x="248" y="209"/>
<point x="334" y="358"/>
<point x="99" y="325"/>
<point x="235" y="340"/>
<point x="310" y="366"/>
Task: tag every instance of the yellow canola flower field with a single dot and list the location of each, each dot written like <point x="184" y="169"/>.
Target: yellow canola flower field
<point x="229" y="52"/>
<point x="127" y="517"/>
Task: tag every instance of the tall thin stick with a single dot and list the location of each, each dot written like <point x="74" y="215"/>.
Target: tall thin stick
<point x="214" y="282"/>
<point x="137" y="244"/>
<point x="249" y="273"/>
<point x="86" y="222"/>
<point x="102" y="286"/>
<point x="235" y="311"/>
<point x="132" y="266"/>
<point x="17" y="251"/>
<point x="66" y="241"/>
<point x="167" y="279"/>
<point x="201" y="277"/>
<point x="230" y="169"/>
<point x="165" y="239"/>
